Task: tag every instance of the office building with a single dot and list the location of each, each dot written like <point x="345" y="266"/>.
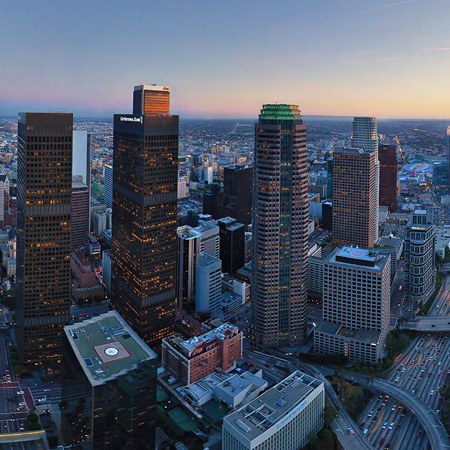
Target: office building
<point x="100" y="222"/>
<point x="208" y="284"/>
<point x="315" y="277"/>
<point x="210" y="239"/>
<point x="237" y="193"/>
<point x="327" y="216"/>
<point x="44" y="187"/>
<point x="4" y="198"/>
<point x="192" y="359"/>
<point x="420" y="268"/>
<point x="106" y="270"/>
<point x="144" y="251"/>
<point x="280" y="227"/>
<point x="109" y="388"/>
<point x="213" y="200"/>
<point x="356" y="304"/>
<point x="151" y="100"/>
<point x="232" y="244"/>
<point x="440" y="174"/>
<point x="330" y="179"/>
<point x="393" y="246"/>
<point x="355" y="202"/>
<point x="108" y="180"/>
<point x="188" y="250"/>
<point x="283" y="417"/>
<point x="365" y="136"/>
<point x="86" y="286"/>
<point x="79" y="214"/>
<point x="81" y="156"/>
<point x="205" y="174"/>
<point x="389" y="183"/>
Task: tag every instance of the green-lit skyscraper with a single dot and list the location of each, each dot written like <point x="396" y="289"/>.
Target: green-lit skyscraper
<point x="280" y="218"/>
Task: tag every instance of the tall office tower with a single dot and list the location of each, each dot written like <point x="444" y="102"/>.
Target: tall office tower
<point x="4" y="198"/>
<point x="330" y="179"/>
<point x="81" y="157"/>
<point x="210" y="240"/>
<point x="355" y="201"/>
<point x="109" y="386"/>
<point x="151" y="100"/>
<point x="280" y="227"/>
<point x="188" y="250"/>
<point x="387" y="156"/>
<point x="440" y="175"/>
<point x="232" y="244"/>
<point x="108" y="180"/>
<point x="365" y="136"/>
<point x="237" y="199"/>
<point x="79" y="214"/>
<point x="144" y="250"/>
<point x="420" y="269"/>
<point x="356" y="303"/>
<point x="44" y="186"/>
<point x="213" y="200"/>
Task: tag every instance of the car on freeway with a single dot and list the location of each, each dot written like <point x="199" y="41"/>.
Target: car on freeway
<point x="391" y="425"/>
<point x="350" y="431"/>
<point x="384" y="425"/>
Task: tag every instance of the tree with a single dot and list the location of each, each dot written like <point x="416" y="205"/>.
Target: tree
<point x="33" y="418"/>
<point x="329" y="415"/>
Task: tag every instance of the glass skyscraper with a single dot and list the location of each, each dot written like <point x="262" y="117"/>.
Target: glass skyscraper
<point x="44" y="188"/>
<point x="144" y="250"/>
<point x="280" y="218"/>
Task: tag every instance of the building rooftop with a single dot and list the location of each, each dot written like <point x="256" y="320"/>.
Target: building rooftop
<point x="361" y="334"/>
<point x="355" y="256"/>
<point x="272" y="407"/>
<point x="106" y="347"/>
<point x="205" y="260"/>
<point x="188" y="233"/>
<point x="218" y="333"/>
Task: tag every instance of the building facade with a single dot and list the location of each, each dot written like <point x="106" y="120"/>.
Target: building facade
<point x="208" y="284"/>
<point x="420" y="268"/>
<point x="80" y="215"/>
<point x="389" y="183"/>
<point x="108" y="180"/>
<point x="280" y="222"/>
<point x="237" y="193"/>
<point x="355" y="202"/>
<point x="356" y="304"/>
<point x="192" y="359"/>
<point x="283" y="417"/>
<point x="365" y="136"/>
<point x="144" y="250"/>
<point x="44" y="187"/>
<point x="232" y="244"/>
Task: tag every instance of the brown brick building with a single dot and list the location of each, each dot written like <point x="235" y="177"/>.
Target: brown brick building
<point x="192" y="359"/>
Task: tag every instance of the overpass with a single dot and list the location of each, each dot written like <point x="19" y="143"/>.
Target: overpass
<point x="25" y="436"/>
<point x="430" y="324"/>
<point x="436" y="433"/>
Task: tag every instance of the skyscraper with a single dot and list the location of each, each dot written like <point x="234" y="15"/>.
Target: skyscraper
<point x="356" y="300"/>
<point x="237" y="199"/>
<point x="144" y="250"/>
<point x="280" y="221"/>
<point x="44" y="185"/>
<point x="355" y="201"/>
<point x="79" y="214"/>
<point x="365" y="136"/>
<point x="387" y="156"/>
<point x="420" y="269"/>
<point x="232" y="244"/>
<point x="151" y="100"/>
<point x="108" y="180"/>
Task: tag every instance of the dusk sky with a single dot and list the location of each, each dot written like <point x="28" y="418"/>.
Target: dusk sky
<point x="385" y="58"/>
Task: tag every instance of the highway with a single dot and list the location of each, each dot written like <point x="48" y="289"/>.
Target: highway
<point x="428" y="418"/>
<point x="422" y="370"/>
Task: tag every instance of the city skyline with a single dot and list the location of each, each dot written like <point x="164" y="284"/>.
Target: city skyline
<point x="333" y="59"/>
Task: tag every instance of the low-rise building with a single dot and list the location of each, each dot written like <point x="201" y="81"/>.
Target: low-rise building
<point x="192" y="359"/>
<point x="282" y="418"/>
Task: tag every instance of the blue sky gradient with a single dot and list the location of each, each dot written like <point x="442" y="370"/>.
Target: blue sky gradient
<point x="225" y="58"/>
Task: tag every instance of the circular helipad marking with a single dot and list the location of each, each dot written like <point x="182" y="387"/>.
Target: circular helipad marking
<point x="111" y="351"/>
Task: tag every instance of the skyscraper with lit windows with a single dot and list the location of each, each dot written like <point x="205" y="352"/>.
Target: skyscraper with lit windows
<point x="44" y="187"/>
<point x="144" y="250"/>
<point x="280" y="219"/>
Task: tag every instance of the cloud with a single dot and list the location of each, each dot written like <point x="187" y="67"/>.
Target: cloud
<point x="390" y="5"/>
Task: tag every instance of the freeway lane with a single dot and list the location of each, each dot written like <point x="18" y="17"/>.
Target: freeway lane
<point x="428" y="418"/>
